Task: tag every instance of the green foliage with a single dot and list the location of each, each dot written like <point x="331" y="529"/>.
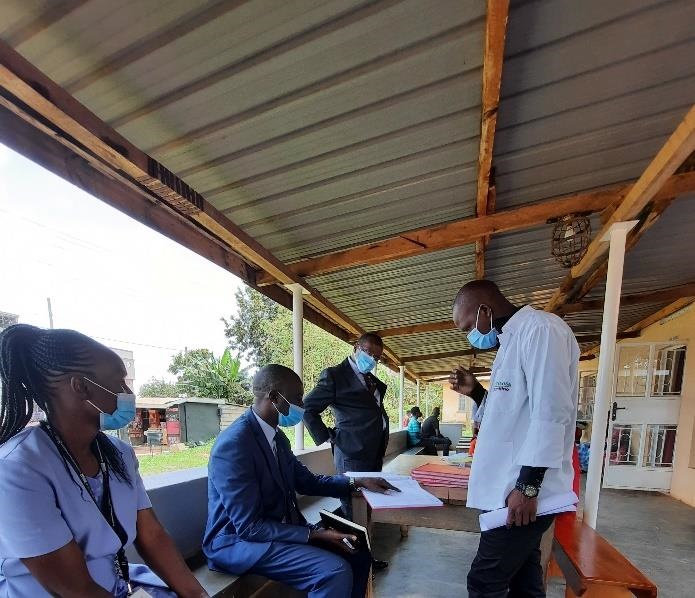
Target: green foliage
<point x="200" y="374"/>
<point x="158" y="387"/>
<point x="247" y="331"/>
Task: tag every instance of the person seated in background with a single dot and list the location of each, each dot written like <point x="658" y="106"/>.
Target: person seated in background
<point x="254" y="524"/>
<point x="71" y="498"/>
<point x="414" y="427"/>
<point x="432" y="438"/>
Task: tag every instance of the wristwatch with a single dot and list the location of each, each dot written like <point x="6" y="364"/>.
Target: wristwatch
<point x="528" y="490"/>
<point x="353" y="485"/>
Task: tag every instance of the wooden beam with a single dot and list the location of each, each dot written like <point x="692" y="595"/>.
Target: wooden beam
<point x="636" y="329"/>
<point x="493" y="60"/>
<point x="417" y="329"/>
<point x="139" y="204"/>
<point x="434" y="356"/>
<point x="474" y="370"/>
<point x="647" y="220"/>
<point x="660" y="296"/>
<point x="481" y="244"/>
<point x="674" y="152"/>
<point x="661" y="314"/>
<point x="85" y="130"/>
<point x="468" y="230"/>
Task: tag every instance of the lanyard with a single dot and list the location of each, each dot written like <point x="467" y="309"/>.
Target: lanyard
<point x="106" y="507"/>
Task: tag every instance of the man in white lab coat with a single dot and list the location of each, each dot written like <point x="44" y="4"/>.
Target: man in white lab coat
<point x="524" y="447"/>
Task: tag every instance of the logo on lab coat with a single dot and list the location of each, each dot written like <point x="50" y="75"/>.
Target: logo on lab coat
<point x="502" y="385"/>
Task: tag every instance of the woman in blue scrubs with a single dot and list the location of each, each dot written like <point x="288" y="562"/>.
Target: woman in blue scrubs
<point x="71" y="498"/>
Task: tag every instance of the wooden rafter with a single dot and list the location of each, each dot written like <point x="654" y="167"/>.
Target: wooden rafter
<point x="660" y="296"/>
<point x="76" y="125"/>
<point x="493" y="59"/>
<point x="581" y="338"/>
<point x="468" y="230"/>
<point x="647" y="189"/>
<point x="657" y="316"/>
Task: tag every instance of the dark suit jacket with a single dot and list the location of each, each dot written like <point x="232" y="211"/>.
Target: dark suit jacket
<point x="359" y="422"/>
<point x="246" y="495"/>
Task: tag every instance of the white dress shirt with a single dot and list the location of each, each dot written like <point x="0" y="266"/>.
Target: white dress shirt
<point x="530" y="410"/>
<point x="269" y="433"/>
<point x="360" y="377"/>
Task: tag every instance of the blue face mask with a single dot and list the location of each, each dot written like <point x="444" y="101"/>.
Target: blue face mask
<point x="293" y="417"/>
<point x="122" y="416"/>
<point x="365" y="362"/>
<point x="482" y="341"/>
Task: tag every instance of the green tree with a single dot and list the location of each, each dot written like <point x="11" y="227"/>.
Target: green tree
<point x="247" y="331"/>
<point x="200" y="374"/>
<point x="158" y="387"/>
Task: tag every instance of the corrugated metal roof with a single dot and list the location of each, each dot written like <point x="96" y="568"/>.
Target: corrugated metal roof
<point x="588" y="100"/>
<point x="324" y="124"/>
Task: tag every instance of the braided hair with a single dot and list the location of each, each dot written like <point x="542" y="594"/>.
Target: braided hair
<point x="31" y="361"/>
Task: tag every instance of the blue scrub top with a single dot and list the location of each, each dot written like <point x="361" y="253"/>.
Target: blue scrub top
<point x="43" y="506"/>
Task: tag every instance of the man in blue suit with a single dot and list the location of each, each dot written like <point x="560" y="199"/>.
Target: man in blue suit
<point x="254" y="524"/>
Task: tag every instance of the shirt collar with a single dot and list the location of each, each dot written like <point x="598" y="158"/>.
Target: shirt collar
<point x="354" y="367"/>
<point x="268" y="430"/>
<point x="514" y="322"/>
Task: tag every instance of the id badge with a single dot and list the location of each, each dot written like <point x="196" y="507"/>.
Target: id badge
<point x="140" y="593"/>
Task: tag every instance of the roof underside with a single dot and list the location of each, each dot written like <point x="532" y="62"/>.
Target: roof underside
<point x="320" y="125"/>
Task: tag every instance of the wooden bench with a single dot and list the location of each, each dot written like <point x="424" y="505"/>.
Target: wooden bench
<point x="592" y="567"/>
<point x="416" y="450"/>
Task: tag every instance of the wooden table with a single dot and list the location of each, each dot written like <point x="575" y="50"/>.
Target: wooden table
<point x="454" y="515"/>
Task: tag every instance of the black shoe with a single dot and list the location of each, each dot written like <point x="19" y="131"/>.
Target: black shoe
<point x="378" y="565"/>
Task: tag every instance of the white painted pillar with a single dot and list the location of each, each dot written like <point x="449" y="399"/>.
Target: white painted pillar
<point x="298" y="349"/>
<point x="616" y="236"/>
<point x="417" y="391"/>
<point x="401" y="395"/>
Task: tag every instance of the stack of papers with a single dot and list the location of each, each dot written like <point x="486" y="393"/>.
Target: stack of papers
<point x="411" y="495"/>
<point x="448" y="476"/>
<point x="557" y="503"/>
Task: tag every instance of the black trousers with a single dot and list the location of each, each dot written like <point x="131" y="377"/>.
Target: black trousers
<point x="508" y="563"/>
<point x="434" y="444"/>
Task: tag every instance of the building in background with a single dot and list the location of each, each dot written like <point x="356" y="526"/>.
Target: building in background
<point x="129" y="361"/>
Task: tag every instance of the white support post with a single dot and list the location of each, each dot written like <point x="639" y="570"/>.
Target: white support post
<point x="616" y="236"/>
<point x="417" y="392"/>
<point x="401" y="394"/>
<point x="298" y="349"/>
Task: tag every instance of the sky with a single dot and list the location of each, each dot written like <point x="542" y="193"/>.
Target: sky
<point x="107" y="275"/>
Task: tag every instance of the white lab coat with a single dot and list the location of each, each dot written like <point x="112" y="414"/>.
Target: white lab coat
<point x="530" y="410"/>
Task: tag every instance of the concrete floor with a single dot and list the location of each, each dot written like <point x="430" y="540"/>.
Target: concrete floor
<point x="656" y="532"/>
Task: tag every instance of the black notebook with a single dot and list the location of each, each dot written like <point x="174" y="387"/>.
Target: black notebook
<point x="333" y="521"/>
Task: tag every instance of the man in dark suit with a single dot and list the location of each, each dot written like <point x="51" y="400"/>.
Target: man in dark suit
<point x="356" y="398"/>
<point x="254" y="524"/>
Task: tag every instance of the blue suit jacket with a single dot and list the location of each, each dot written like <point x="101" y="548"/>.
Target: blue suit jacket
<point x="246" y="496"/>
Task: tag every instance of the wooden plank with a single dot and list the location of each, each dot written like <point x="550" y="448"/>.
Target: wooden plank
<point x="673" y="153"/>
<point x="661" y="314"/>
<point x="493" y="60"/>
<point x="660" y="296"/>
<point x="647" y="220"/>
<point x="468" y="230"/>
<point x="433" y="356"/>
<point x="417" y="328"/>
<point x="21" y="79"/>
<point x="138" y="204"/>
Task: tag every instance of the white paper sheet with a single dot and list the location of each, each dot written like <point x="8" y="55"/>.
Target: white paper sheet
<point x="551" y="505"/>
<point x="389" y="477"/>
<point x="411" y="495"/>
